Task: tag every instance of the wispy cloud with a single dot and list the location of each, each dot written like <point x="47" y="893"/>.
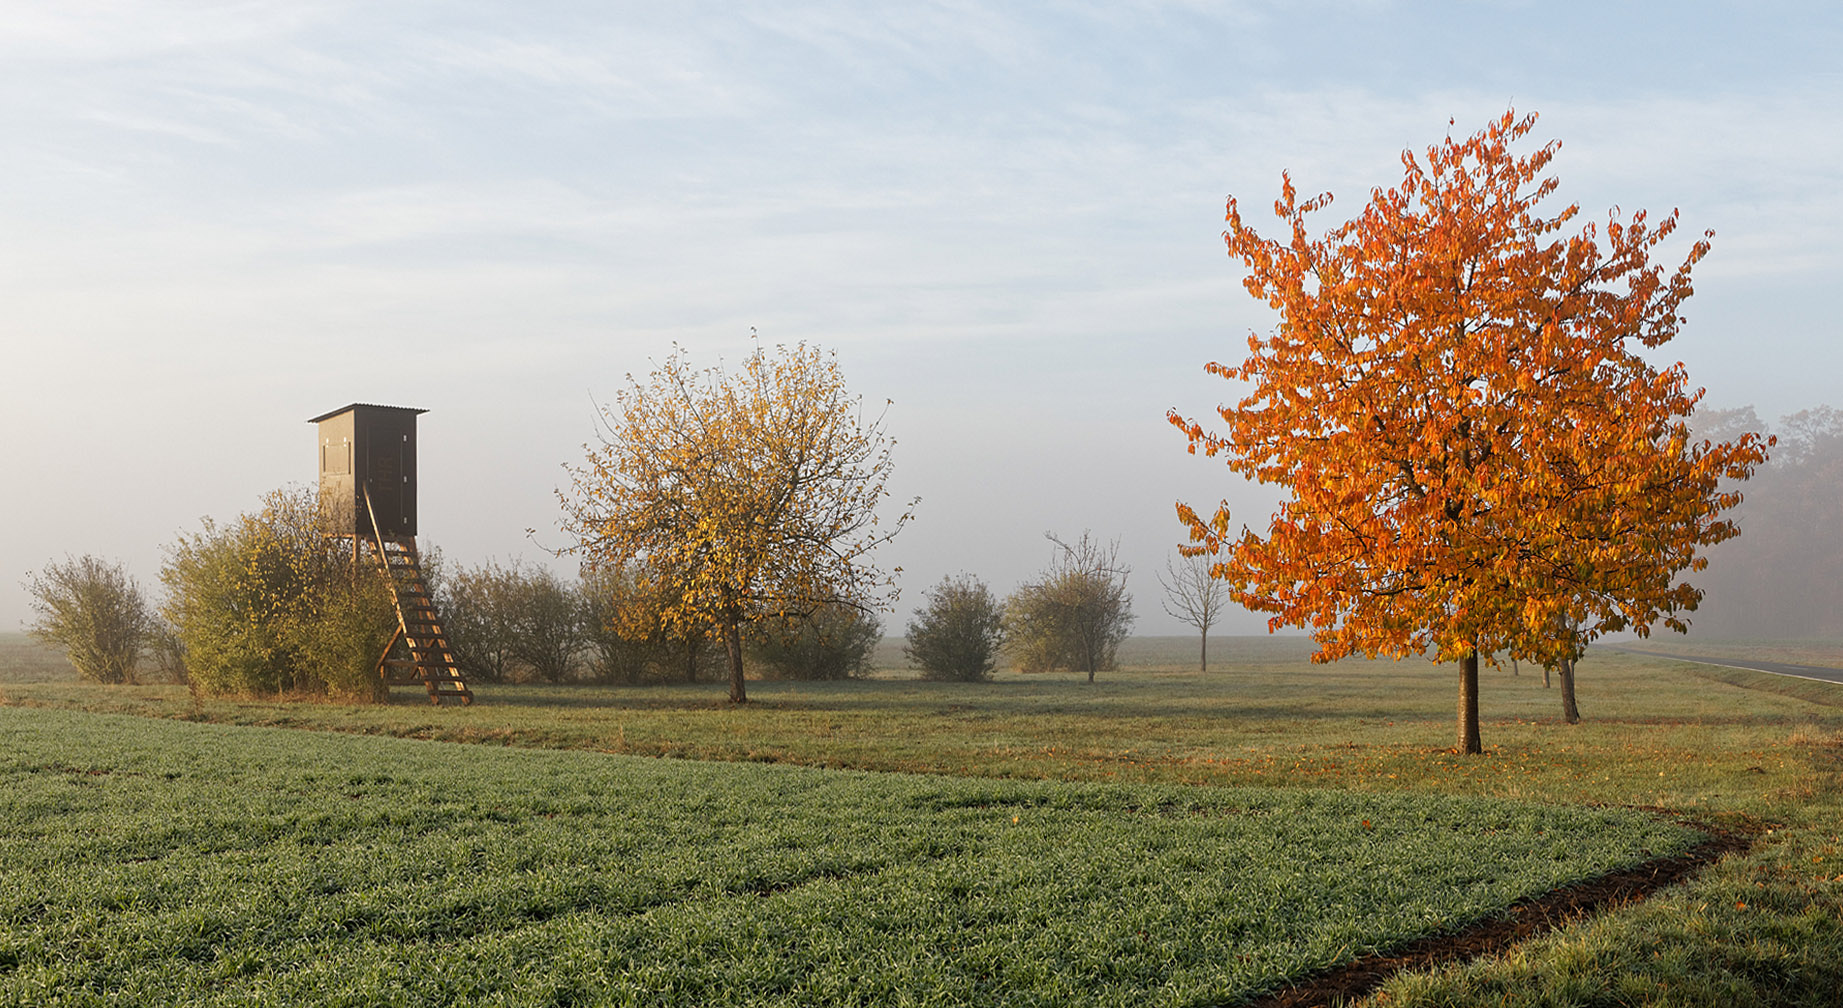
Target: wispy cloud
<point x="89" y="32"/>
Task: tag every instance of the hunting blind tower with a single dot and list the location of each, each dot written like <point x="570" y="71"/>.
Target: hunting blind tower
<point x="368" y="493"/>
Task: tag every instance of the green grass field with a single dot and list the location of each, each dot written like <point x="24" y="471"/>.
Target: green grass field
<point x="1145" y="806"/>
<point x="209" y="864"/>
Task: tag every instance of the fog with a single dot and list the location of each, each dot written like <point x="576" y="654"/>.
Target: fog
<point x="1782" y="577"/>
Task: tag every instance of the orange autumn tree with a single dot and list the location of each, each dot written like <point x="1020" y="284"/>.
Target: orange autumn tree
<point x="1479" y="460"/>
<point x="737" y="497"/>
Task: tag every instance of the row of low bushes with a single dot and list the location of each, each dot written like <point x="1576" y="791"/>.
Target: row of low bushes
<point x="270" y="604"/>
<point x="261" y="604"/>
<point x="519" y="623"/>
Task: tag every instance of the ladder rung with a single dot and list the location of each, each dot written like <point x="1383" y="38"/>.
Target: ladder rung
<point x="431" y="662"/>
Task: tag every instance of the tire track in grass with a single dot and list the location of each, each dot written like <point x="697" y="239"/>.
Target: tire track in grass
<point x="1522" y="920"/>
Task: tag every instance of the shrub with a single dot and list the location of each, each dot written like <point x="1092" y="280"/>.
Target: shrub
<point x="168" y="651"/>
<point x="345" y="621"/>
<point x="621" y="625"/>
<point x="630" y="640"/>
<point x="95" y="612"/>
<point x="956" y="637"/>
<point x="270" y="604"/>
<point x="835" y="642"/>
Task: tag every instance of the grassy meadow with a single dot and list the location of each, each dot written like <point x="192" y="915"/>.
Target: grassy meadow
<point x="1159" y="837"/>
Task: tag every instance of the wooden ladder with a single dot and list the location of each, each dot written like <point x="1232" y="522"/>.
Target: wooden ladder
<point x="431" y="660"/>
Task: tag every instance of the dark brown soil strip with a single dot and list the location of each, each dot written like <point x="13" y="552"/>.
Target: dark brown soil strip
<point x="1523" y="919"/>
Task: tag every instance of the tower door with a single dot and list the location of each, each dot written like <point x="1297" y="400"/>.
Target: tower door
<point x="384" y="481"/>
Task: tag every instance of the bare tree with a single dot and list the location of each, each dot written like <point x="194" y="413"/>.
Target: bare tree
<point x="479" y="606"/>
<point x="547" y="623"/>
<point x="1194" y="597"/>
<point x="1077" y="615"/>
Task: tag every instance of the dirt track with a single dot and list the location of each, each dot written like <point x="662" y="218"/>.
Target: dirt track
<point x="1521" y="921"/>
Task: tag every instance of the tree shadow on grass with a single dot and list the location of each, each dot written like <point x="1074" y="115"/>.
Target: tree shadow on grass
<point x="989" y="700"/>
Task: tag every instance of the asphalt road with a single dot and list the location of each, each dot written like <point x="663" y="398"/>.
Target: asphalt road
<point x="1817" y="672"/>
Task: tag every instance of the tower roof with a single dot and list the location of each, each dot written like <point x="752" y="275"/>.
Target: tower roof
<point x="364" y="405"/>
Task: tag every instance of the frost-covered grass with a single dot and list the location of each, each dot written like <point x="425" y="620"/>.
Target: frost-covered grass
<point x="164" y="862"/>
<point x="1720" y="745"/>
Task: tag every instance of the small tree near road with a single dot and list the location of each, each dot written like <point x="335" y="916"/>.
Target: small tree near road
<point x="1195" y="597"/>
<point x="95" y="612"/>
<point x="1074" y="617"/>
<point x="956" y="637"/>
<point x="748" y="496"/>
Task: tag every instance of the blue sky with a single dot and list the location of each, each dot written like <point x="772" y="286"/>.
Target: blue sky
<point x="220" y="219"/>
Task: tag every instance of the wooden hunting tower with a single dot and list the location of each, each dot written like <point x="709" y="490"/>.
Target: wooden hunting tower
<point x="368" y="492"/>
<point x="368" y="468"/>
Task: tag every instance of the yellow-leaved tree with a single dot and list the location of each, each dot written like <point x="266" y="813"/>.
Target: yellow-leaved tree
<point x="741" y="497"/>
<point x="1478" y="459"/>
